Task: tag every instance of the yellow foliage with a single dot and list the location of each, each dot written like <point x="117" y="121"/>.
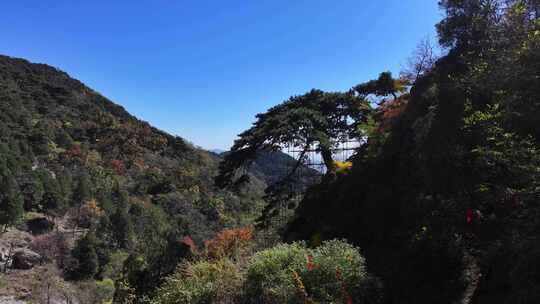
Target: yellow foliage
<point x="89" y="213"/>
<point x="342" y="167"/>
<point x="93" y="208"/>
<point x="300" y="288"/>
<point x="93" y="158"/>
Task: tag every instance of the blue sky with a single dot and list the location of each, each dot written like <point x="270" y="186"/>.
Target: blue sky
<point x="202" y="69"/>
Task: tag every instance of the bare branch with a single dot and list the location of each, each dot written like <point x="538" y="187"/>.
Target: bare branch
<point x="421" y="61"/>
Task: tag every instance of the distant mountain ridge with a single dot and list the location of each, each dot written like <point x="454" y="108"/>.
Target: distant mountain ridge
<point x="273" y="166"/>
<point x="217" y="151"/>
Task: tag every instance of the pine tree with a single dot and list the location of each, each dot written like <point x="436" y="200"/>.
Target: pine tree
<point x="11" y="202"/>
<point x="81" y="194"/>
<point x="86" y="258"/>
<point x="53" y="202"/>
<point x="122" y="228"/>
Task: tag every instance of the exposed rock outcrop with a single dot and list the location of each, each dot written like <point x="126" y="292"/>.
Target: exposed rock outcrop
<point x="39" y="225"/>
<point x="25" y="259"/>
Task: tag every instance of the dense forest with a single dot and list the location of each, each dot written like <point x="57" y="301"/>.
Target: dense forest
<point x="439" y="203"/>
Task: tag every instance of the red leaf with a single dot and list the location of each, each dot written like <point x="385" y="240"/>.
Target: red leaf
<point x="468" y="216"/>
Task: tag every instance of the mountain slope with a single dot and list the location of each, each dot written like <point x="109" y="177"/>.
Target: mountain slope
<point x="271" y="167"/>
<point x="85" y="162"/>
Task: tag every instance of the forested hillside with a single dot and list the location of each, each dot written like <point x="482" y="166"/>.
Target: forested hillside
<point x="69" y="154"/>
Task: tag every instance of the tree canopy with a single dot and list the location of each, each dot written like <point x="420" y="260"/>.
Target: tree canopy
<point x="11" y="201"/>
<point x="316" y="121"/>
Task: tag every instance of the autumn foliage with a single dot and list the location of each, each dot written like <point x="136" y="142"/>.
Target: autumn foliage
<point x="390" y="110"/>
<point x="89" y="213"/>
<point x="118" y="166"/>
<point x="229" y="242"/>
<point x="188" y="241"/>
<point x="343" y="166"/>
<point x="75" y="152"/>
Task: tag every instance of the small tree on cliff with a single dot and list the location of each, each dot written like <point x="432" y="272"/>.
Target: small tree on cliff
<point x="384" y="85"/>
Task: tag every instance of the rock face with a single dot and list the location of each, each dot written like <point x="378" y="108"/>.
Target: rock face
<point x="39" y="225"/>
<point x="25" y="259"/>
<point x="3" y="255"/>
<point x="10" y="300"/>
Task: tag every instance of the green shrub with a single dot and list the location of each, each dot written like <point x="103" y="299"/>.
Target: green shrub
<point x="201" y="282"/>
<point x="95" y="292"/>
<point x="85" y="261"/>
<point x="3" y="281"/>
<point x="334" y="272"/>
<point x="270" y="276"/>
<point x="115" y="264"/>
<point x="331" y="273"/>
<point x="104" y="290"/>
<point x="337" y="271"/>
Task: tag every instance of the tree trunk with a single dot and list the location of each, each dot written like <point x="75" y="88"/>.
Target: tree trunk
<point x="77" y="224"/>
<point x="326" y="154"/>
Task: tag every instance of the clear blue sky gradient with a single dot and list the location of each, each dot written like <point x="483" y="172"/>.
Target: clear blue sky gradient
<point x="202" y="69"/>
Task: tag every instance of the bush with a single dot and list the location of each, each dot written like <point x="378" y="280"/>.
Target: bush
<point x="52" y="247"/>
<point x="270" y="273"/>
<point x="95" y="292"/>
<point x="230" y="243"/>
<point x="335" y="272"/>
<point x="202" y="282"/>
<point x="115" y="263"/>
<point x="85" y="259"/>
<point x="332" y="273"/>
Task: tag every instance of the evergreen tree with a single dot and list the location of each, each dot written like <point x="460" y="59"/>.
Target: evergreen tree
<point x="65" y="181"/>
<point x="11" y="201"/>
<point x="32" y="190"/>
<point x="384" y="85"/>
<point x="316" y="120"/>
<point x="82" y="192"/>
<point x="53" y="202"/>
<point x="85" y="255"/>
<point x="120" y="222"/>
<point x="122" y="229"/>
